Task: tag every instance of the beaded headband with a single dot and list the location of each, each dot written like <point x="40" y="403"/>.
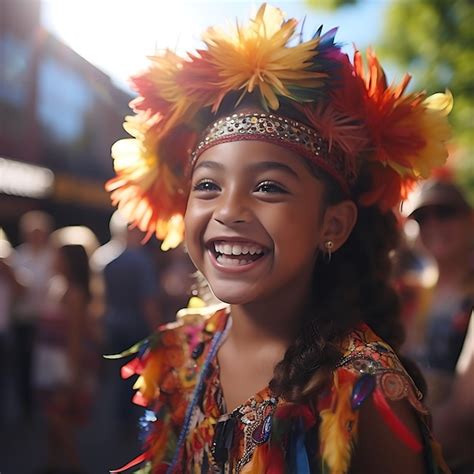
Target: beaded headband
<point x="281" y="131"/>
<point x="355" y="120"/>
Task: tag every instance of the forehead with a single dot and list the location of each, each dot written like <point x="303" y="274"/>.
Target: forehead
<point x="251" y="155"/>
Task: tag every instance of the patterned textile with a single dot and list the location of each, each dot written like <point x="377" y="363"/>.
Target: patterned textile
<point x="264" y="434"/>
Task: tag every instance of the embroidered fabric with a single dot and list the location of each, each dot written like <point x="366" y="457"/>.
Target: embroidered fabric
<point x="265" y="431"/>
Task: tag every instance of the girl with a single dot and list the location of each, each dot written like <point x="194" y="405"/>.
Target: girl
<point x="284" y="159"/>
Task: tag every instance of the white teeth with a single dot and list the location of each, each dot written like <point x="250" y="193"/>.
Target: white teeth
<point x="232" y="262"/>
<point x="237" y="249"/>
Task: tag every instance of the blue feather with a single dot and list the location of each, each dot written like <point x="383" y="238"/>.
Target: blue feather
<point x="298" y="456"/>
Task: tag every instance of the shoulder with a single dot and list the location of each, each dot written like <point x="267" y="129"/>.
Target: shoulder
<point x="363" y="344"/>
<point x="373" y="366"/>
<point x="168" y="360"/>
<point x="372" y="410"/>
<point x="192" y="326"/>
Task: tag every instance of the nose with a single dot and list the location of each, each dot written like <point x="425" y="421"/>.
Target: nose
<point x="232" y="208"/>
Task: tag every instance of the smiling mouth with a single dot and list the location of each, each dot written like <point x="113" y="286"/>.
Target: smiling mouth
<point x="236" y="253"/>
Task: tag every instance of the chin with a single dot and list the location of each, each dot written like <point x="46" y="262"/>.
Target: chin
<point x="232" y="295"/>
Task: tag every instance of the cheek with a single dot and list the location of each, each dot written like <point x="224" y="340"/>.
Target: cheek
<point x="296" y="236"/>
<point x="195" y="221"/>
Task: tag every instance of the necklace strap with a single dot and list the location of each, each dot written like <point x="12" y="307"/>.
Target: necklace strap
<point x="216" y="342"/>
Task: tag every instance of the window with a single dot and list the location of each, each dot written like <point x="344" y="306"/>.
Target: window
<point x="15" y="57"/>
<point x="64" y="100"/>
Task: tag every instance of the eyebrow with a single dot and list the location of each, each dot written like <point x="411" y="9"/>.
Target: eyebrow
<point x="275" y="165"/>
<point x="260" y="166"/>
<point x="209" y="164"/>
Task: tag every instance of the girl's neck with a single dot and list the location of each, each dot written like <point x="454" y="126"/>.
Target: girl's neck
<point x="272" y="321"/>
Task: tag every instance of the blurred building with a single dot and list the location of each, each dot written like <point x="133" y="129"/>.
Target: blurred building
<point x="59" y="116"/>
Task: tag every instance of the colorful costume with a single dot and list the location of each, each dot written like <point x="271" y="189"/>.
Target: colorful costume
<point x="308" y="97"/>
<point x="187" y="428"/>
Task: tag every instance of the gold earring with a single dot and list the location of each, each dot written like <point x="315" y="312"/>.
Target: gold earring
<point x="328" y="245"/>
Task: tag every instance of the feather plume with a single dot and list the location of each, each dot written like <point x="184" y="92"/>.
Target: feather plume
<point x="408" y="132"/>
<point x="338" y="428"/>
<point x="394" y="189"/>
<point x="162" y="444"/>
<point x="266" y="459"/>
<point x="338" y="129"/>
<point x="134" y="462"/>
<point x="403" y="132"/>
<point x="258" y="462"/>
<point x="147" y="382"/>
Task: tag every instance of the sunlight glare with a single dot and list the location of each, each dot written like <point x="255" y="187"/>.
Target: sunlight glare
<point x="118" y="35"/>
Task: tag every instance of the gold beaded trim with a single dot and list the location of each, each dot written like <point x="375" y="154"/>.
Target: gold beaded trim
<point x="282" y="131"/>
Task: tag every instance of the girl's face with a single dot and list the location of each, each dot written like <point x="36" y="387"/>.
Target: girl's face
<point x="253" y="220"/>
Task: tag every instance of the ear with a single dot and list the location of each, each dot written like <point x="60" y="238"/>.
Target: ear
<point x="338" y="222"/>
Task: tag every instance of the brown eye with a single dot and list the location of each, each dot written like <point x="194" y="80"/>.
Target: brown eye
<point x="270" y="187"/>
<point x="206" y="185"/>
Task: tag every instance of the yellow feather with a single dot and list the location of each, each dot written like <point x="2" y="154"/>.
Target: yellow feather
<point x="337" y="430"/>
<point x="148" y="384"/>
<point x="256" y="465"/>
<point x="258" y="56"/>
<point x="441" y="102"/>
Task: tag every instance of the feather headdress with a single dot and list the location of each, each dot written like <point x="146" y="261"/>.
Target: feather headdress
<point x="356" y="115"/>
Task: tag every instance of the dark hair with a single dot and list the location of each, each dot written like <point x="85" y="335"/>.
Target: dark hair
<point x="77" y="266"/>
<point x="353" y="287"/>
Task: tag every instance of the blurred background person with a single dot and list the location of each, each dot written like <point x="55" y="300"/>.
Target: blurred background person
<point x="130" y="313"/>
<point x="32" y="263"/>
<point x="175" y="281"/>
<point x="84" y="236"/>
<point x="415" y="275"/>
<point x="446" y="230"/>
<point x="454" y="418"/>
<point x="130" y="283"/>
<point x="66" y="357"/>
<point x="9" y="289"/>
<point x="114" y="247"/>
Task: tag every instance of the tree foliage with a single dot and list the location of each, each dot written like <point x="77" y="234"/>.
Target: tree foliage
<point x="434" y="39"/>
<point x="331" y="4"/>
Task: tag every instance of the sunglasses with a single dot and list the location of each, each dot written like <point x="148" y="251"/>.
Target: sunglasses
<point x="439" y="212"/>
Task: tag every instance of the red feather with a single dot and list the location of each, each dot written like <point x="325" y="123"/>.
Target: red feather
<point x="134" y="462"/>
<point x="394" y="423"/>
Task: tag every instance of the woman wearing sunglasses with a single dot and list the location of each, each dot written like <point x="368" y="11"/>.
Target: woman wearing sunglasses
<point x="446" y="223"/>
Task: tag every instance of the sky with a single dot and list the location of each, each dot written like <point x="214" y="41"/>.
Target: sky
<point x="117" y="35"/>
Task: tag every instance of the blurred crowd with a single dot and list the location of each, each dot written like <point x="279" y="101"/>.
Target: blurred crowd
<point x="65" y="301"/>
<point x="435" y="277"/>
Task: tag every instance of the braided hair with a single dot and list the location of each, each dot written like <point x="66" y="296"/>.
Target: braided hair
<point x="353" y="287"/>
